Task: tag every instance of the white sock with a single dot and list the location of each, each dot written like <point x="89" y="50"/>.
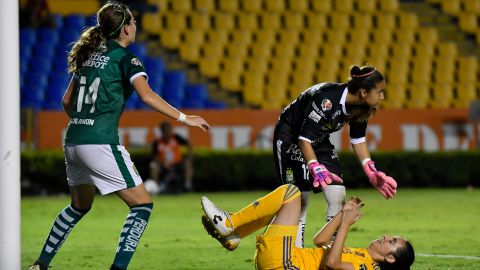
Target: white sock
<point x="299" y="241"/>
<point x="335" y="196"/>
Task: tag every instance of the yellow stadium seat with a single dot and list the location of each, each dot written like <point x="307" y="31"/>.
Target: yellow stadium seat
<point x="284" y="50"/>
<point x="447" y="49"/>
<point x="336" y="36"/>
<point x="304" y="64"/>
<point x="210" y="67"/>
<point x="401" y="50"/>
<point x="451" y="6"/>
<point x="362" y="22"/>
<point x="397" y="76"/>
<point x="213" y="50"/>
<point x="316" y="21"/>
<point x="259" y="65"/>
<point x="230" y="81"/>
<point x="270" y="21"/>
<point x="339" y="20"/>
<point x="237" y="49"/>
<point x="325" y="75"/>
<point x="306" y="49"/>
<point x="230" y="6"/>
<point x="67" y="7"/>
<point x="200" y="20"/>
<point x="294" y="21"/>
<point x="194" y="37"/>
<point x="331" y="50"/>
<point x="385" y="21"/>
<point x="281" y="64"/>
<point x="382" y="36"/>
<point x="151" y="23"/>
<point x="175" y="21"/>
<point x="312" y="36"/>
<point x="161" y="4"/>
<point x="190" y="52"/>
<point x="233" y="64"/>
<point x="427" y="35"/>
<point x="389" y="5"/>
<point x="377" y="49"/>
<point x="466" y="93"/>
<point x="367" y="6"/>
<point x="378" y="62"/>
<point x="252" y="5"/>
<point x="408" y="20"/>
<point x="253" y="88"/>
<point x="405" y="36"/>
<point x="343" y="5"/>
<point x="322" y="6"/>
<point x="468" y="22"/>
<point x="261" y="50"/>
<point x="276" y="92"/>
<point x="170" y="38"/>
<point x="288" y="36"/>
<point x="298" y="5"/>
<point x="472" y="6"/>
<point x="223" y="21"/>
<point x="302" y="78"/>
<point x="247" y="21"/>
<point x="359" y="36"/>
<point x="420" y="76"/>
<point x="442" y="96"/>
<point x="419" y="96"/>
<point x="424" y="50"/>
<point x="467" y="69"/>
<point x="217" y="36"/>
<point x="275" y="5"/>
<point x="181" y="5"/>
<point x="241" y="36"/>
<point x="204" y="5"/>
<point x="395" y="96"/>
<point x="265" y="36"/>
<point x="354" y="50"/>
<point x="444" y="75"/>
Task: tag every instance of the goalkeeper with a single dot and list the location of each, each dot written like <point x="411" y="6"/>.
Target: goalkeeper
<point x="304" y="154"/>
<point x="280" y="210"/>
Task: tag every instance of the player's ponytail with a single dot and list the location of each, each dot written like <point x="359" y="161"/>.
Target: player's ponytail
<point x="404" y="258"/>
<point x="365" y="77"/>
<point x="110" y="19"/>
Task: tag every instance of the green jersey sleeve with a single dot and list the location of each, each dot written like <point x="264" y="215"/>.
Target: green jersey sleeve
<point x="132" y="68"/>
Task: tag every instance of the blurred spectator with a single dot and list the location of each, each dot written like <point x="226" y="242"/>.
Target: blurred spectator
<point x="35" y="13"/>
<point x="169" y="168"/>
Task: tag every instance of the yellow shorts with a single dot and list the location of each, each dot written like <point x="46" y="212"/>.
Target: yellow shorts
<point x="276" y="250"/>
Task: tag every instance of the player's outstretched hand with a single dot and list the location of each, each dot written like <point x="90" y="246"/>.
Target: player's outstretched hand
<point x="196" y="121"/>
<point x="351" y="215"/>
<point x="353" y="202"/>
<point x="321" y="175"/>
<point x="386" y="185"/>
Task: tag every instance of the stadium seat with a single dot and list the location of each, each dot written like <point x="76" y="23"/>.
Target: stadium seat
<point x="382" y="36"/>
<point x="339" y="21"/>
<point x="419" y="96"/>
<point x="204" y="5"/>
<point x="270" y="21"/>
<point x="230" y="81"/>
<point x="196" y="92"/>
<point x="217" y="36"/>
<point x="274" y="6"/>
<point x="175" y="21"/>
<point x="442" y="96"/>
<point x="241" y="37"/>
<point x="139" y="50"/>
<point x="427" y="35"/>
<point x="154" y="66"/>
<point x="293" y="21"/>
<point x="28" y="36"/>
<point x="367" y="6"/>
<point x="247" y="21"/>
<point x="466" y="92"/>
<point x="336" y="36"/>
<point x="261" y="50"/>
<point x="170" y="38"/>
<point x="322" y="6"/>
<point x="300" y="6"/>
<point x="389" y="5"/>
<point x="200" y="20"/>
<point x="228" y="6"/>
<point x="151" y="23"/>
<point x="343" y="6"/>
<point x="181" y="5"/>
<point x="74" y="21"/>
<point x="223" y="21"/>
<point x="190" y="53"/>
<point x="408" y="20"/>
<point x="252" y="5"/>
<point x="48" y="35"/>
<point x="316" y="21"/>
<point x="210" y="67"/>
<point x="237" y="50"/>
<point x="451" y="6"/>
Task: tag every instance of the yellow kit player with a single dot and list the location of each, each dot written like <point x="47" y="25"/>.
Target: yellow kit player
<point x="275" y="248"/>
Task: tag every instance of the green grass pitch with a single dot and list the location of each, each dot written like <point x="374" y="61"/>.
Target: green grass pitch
<point x="437" y="221"/>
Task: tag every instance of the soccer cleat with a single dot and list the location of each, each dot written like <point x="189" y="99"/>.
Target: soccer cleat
<point x="217" y="217"/>
<point x="230" y="242"/>
<point x="38" y="266"/>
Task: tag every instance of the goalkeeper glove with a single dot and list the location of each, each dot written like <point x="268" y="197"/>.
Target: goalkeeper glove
<point x="321" y="176"/>
<point x="385" y="184"/>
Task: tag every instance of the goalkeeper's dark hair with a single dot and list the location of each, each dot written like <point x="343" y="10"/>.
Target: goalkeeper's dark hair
<point x="110" y="19"/>
<point x="365" y="77"/>
<point x="404" y="258"/>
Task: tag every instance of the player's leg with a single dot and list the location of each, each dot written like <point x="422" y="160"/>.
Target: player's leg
<point x="291" y="168"/>
<point x="334" y="194"/>
<point x="251" y="218"/>
<point x="82" y="199"/>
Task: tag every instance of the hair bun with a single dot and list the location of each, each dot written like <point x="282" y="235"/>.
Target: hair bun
<point x="355" y="70"/>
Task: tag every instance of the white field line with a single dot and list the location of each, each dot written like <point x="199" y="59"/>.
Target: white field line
<point x="448" y="256"/>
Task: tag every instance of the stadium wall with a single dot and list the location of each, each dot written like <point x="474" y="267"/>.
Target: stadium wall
<point x="390" y="130"/>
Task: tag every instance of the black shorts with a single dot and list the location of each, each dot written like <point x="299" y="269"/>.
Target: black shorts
<point x="293" y="169"/>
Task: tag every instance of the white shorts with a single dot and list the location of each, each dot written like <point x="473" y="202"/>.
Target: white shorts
<point x="106" y="166"/>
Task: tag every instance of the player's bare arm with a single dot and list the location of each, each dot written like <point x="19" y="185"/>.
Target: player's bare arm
<point x="67" y="100"/>
<point x="157" y="103"/>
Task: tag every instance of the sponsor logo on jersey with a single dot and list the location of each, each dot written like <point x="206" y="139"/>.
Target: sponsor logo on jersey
<point x="289" y="175"/>
<point x="97" y="60"/>
<point x="81" y="121"/>
<point x="337" y="113"/>
<point x="314" y="116"/>
<point x="320" y="112"/>
<point x="136" y="62"/>
<point x="296" y="153"/>
<point x="326" y="104"/>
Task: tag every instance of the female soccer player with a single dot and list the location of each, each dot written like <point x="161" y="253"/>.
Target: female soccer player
<point x="105" y="74"/>
<point x="304" y="155"/>
<point x="281" y="209"/>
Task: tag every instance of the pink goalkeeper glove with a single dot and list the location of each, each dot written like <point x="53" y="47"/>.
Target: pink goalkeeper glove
<point x="321" y="176"/>
<point x="386" y="185"/>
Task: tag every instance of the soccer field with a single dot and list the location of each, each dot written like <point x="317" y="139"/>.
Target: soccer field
<point x="437" y="221"/>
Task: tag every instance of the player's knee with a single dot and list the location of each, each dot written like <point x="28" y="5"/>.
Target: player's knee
<point x="82" y="210"/>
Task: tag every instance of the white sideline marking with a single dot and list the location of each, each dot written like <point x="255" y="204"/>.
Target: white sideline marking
<point x="449" y="256"/>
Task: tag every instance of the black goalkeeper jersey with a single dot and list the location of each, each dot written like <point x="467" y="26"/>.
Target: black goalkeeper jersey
<point x="317" y="112"/>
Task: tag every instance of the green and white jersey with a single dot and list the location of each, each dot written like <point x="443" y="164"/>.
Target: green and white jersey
<point x="104" y="83"/>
